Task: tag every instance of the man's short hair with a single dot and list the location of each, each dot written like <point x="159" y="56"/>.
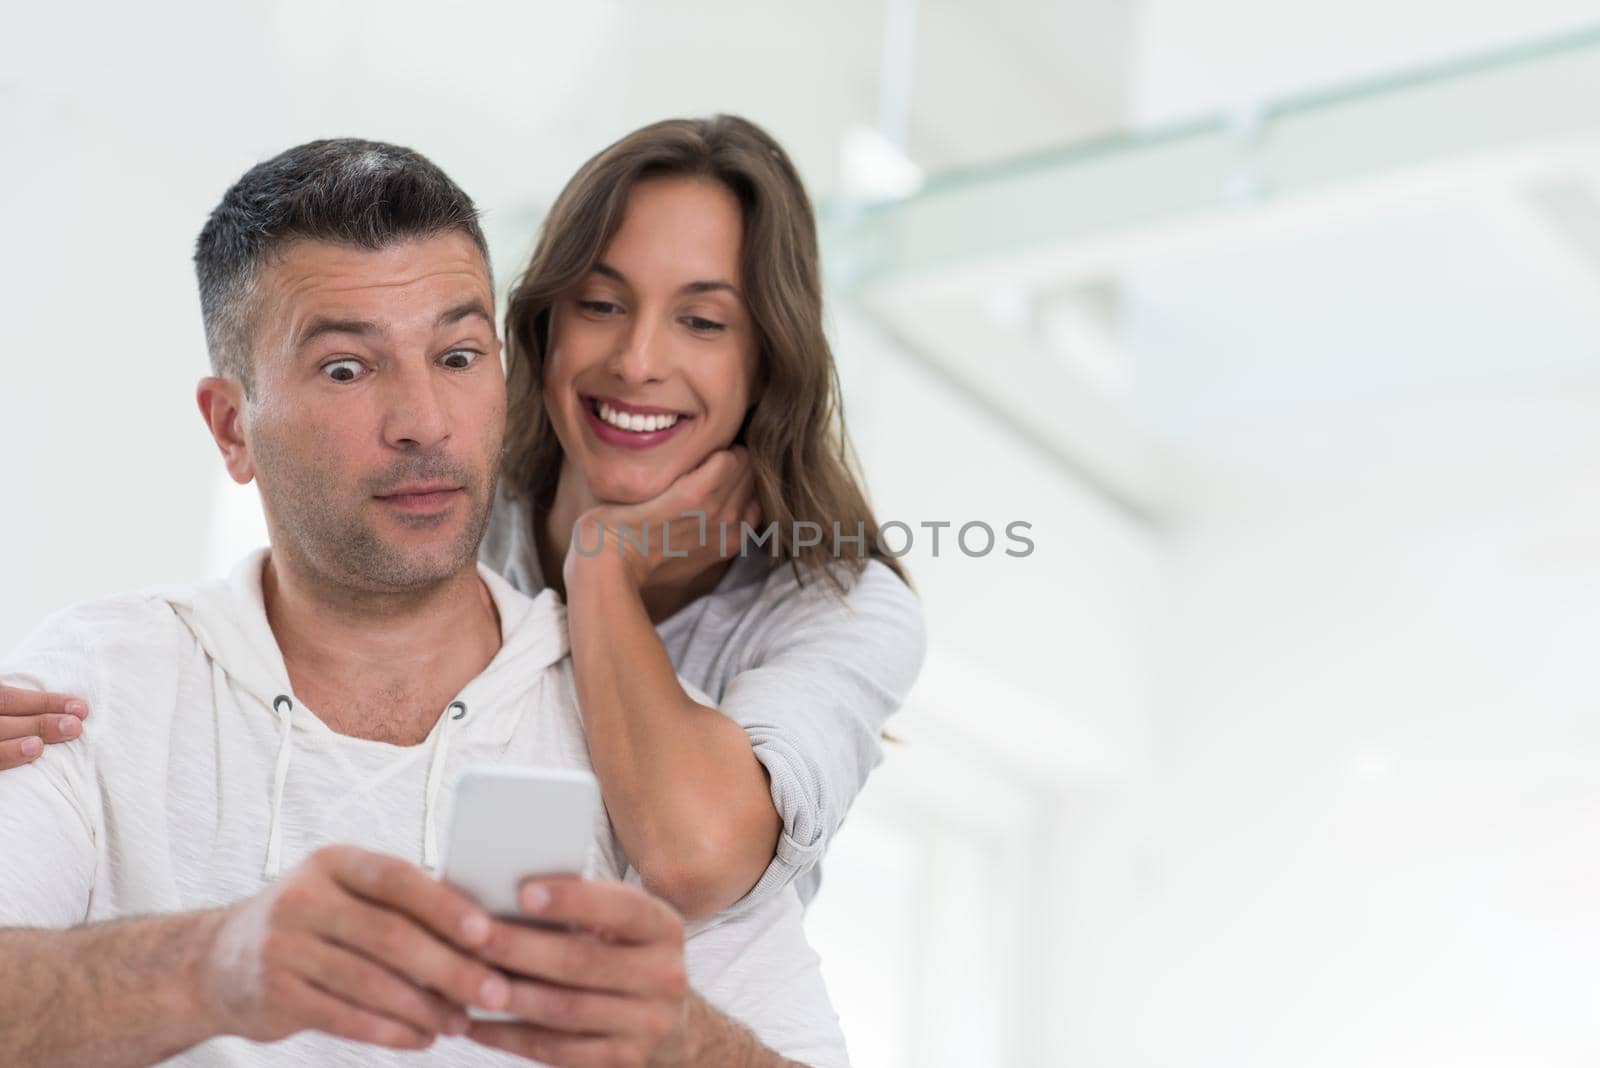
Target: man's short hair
<point x="363" y="193"/>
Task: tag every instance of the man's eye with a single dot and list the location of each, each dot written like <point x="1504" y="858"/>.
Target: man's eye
<point x="342" y="370"/>
<point x="461" y="359"/>
<point x="695" y="322"/>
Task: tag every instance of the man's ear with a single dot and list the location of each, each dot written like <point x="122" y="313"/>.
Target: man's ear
<point x="221" y="403"/>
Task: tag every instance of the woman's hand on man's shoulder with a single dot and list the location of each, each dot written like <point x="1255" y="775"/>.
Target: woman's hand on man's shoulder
<point x="31" y="720"/>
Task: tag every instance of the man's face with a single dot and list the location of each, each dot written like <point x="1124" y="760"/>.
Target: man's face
<point x="378" y="409"/>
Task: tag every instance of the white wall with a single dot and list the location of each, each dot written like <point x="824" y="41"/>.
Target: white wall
<point x="1375" y="763"/>
<point x="1346" y="694"/>
<point x="1197" y="59"/>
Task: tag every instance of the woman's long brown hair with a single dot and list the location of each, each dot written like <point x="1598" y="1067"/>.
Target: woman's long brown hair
<point x="800" y="451"/>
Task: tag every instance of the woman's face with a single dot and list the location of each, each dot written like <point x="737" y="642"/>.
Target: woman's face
<point x="652" y="358"/>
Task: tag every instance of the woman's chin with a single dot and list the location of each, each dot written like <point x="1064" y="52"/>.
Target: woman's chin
<point x="630" y="488"/>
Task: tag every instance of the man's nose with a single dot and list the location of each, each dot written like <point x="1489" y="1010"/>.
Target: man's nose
<point x="415" y="416"/>
<point x="641" y="356"/>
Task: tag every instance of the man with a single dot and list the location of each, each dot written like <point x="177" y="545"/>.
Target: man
<point x="212" y="865"/>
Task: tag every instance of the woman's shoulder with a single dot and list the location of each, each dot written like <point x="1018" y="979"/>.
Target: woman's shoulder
<point x="871" y="608"/>
<point x="787" y="587"/>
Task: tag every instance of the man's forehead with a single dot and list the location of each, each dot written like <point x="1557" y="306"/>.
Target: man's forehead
<point x="401" y="281"/>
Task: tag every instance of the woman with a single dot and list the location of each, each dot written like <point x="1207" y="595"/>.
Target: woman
<point x="666" y="355"/>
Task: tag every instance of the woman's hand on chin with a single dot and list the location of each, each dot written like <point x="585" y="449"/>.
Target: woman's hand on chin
<point x="688" y="518"/>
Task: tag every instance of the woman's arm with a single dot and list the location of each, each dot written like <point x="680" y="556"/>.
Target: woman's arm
<point x="30" y="720"/>
<point x="690" y="802"/>
<point x="817" y="678"/>
<point x="715" y="803"/>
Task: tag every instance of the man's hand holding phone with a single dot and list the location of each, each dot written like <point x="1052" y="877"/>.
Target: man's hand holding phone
<point x="595" y="967"/>
<point x="609" y="989"/>
<point x="352" y="943"/>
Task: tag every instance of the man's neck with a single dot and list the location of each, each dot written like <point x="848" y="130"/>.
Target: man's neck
<point x="379" y="665"/>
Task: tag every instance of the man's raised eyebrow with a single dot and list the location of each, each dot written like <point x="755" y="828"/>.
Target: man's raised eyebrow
<point x="708" y="286"/>
<point x="324" y="325"/>
<point x="465" y="310"/>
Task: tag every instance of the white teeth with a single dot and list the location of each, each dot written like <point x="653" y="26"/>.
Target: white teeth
<point x="631" y="421"/>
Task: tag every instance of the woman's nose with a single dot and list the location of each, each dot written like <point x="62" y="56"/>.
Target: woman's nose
<point x="640" y="357"/>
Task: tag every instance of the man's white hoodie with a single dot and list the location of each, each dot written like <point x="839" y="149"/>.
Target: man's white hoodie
<point x="200" y="777"/>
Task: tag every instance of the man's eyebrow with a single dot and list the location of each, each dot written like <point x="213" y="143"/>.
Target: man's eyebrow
<point x="324" y="325"/>
<point x="465" y="310"/>
<point x="709" y="285"/>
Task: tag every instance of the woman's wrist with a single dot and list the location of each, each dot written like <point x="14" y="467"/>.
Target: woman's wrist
<point x="610" y="564"/>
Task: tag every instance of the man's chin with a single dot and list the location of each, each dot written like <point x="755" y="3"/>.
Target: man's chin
<point x="404" y="556"/>
<point x="402" y="570"/>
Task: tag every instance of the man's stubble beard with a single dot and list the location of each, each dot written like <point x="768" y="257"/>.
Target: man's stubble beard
<point x="334" y="539"/>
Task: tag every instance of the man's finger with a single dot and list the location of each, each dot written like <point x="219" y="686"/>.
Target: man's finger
<point x="15" y="701"/>
<point x="372" y="987"/>
<point x="406" y="888"/>
<point x="576" y="960"/>
<point x="48" y="728"/>
<point x="394" y="940"/>
<point x="615" y="910"/>
<point x="19" y="751"/>
<point x="588" y="1012"/>
<point x="327" y="1012"/>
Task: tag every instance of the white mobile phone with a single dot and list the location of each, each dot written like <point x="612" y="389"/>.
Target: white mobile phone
<point x="509" y="824"/>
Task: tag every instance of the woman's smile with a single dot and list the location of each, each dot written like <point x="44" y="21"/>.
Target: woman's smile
<point x="631" y="426"/>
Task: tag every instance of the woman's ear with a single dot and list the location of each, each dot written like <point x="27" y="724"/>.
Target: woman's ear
<point x="221" y="402"/>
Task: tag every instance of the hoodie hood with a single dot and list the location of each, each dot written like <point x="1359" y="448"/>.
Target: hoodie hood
<point x="228" y="619"/>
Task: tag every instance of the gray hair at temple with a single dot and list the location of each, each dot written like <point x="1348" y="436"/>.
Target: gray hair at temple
<point x="363" y="193"/>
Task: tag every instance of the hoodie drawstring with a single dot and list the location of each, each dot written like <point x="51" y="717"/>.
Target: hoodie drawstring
<point x="441" y="747"/>
<point x="284" y="707"/>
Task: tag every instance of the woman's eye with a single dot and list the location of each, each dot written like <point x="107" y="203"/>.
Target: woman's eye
<point x="461" y="359"/>
<point x="599" y="307"/>
<point x="695" y="322"/>
<point x="342" y="370"/>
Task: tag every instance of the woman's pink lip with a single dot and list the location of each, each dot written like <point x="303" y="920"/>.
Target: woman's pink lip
<point x="626" y="438"/>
